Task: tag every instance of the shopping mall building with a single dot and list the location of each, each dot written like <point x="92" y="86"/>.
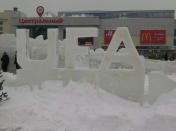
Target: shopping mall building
<point x="7" y="19"/>
<point x="151" y="30"/>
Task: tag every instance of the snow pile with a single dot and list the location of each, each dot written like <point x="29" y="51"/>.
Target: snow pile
<point x="82" y="107"/>
<point x="8" y="76"/>
<point x="167" y="67"/>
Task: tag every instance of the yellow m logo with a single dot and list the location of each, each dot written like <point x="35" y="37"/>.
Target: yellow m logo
<point x="146" y="36"/>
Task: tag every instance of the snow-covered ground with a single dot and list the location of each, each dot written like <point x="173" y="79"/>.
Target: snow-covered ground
<point x="82" y="107"/>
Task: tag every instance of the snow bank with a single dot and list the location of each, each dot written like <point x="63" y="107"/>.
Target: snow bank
<point x="167" y="67"/>
<point x="81" y="107"/>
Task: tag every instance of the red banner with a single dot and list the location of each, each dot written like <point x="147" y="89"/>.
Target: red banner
<point x="153" y="37"/>
<point x="108" y="34"/>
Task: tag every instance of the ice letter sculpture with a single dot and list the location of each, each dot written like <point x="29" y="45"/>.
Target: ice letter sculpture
<point x="127" y="83"/>
<point x="36" y="71"/>
<point x="71" y="47"/>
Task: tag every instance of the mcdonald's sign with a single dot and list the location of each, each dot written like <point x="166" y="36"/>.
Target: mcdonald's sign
<point x="153" y="37"/>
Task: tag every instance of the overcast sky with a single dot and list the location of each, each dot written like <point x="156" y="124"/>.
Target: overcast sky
<point x="29" y="6"/>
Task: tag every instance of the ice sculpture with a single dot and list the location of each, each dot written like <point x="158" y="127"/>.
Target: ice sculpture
<point x="71" y="47"/>
<point x="127" y="83"/>
<point x="36" y="71"/>
<point x="72" y="50"/>
<point x="24" y="60"/>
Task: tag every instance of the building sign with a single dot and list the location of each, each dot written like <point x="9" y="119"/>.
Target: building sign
<point x="85" y="41"/>
<point x="108" y="34"/>
<point x="40" y="20"/>
<point x="153" y="37"/>
<point x="88" y="43"/>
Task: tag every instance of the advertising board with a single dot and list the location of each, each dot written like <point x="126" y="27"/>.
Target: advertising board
<point x="153" y="37"/>
<point x="108" y="34"/>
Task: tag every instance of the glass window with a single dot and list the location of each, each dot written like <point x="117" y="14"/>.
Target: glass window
<point x="85" y="41"/>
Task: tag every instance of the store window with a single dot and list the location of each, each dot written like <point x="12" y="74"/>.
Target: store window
<point x="38" y="30"/>
<point x="85" y="41"/>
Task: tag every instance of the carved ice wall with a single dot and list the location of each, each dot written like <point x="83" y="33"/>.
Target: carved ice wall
<point x="127" y="83"/>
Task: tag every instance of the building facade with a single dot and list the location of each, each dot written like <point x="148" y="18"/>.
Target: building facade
<point x="140" y="23"/>
<point x="6" y="20"/>
<point x="151" y="30"/>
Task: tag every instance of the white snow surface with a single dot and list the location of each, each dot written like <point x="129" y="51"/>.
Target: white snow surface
<point x="82" y="107"/>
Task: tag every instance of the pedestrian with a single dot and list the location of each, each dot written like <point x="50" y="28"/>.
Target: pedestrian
<point x="4" y="62"/>
<point x="166" y="56"/>
<point x="16" y="62"/>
